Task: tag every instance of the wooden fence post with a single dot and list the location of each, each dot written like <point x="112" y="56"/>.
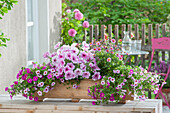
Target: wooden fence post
<point x="149" y="43"/>
<point x="96" y="32"/>
<point x="91" y="33"/>
<point x="123" y="29"/>
<point x="157" y="36"/>
<point x="136" y="38"/>
<point x="102" y="32"/>
<point x="163" y="34"/>
<point x="130" y="30"/>
<point x="143" y="43"/>
<point x="110" y="32"/>
<point x="116" y="32"/>
<point x="85" y="35"/>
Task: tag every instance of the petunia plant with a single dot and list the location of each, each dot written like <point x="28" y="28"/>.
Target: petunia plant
<point x="119" y="80"/>
<point x="68" y="65"/>
<point x="73" y="26"/>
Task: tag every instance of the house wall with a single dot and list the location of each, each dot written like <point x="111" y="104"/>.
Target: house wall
<point x="14" y="26"/>
<point x="13" y="57"/>
<point x="54" y="22"/>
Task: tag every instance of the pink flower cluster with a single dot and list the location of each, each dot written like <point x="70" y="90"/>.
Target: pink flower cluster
<point x="71" y="62"/>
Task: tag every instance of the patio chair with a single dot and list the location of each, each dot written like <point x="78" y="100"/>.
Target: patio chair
<point x="163" y="44"/>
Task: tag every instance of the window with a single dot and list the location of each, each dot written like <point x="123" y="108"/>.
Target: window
<point x="32" y="32"/>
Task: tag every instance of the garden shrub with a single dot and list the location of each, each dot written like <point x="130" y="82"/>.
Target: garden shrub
<point x="123" y="11"/>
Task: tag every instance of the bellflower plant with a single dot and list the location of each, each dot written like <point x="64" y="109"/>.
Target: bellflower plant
<point x="119" y="80"/>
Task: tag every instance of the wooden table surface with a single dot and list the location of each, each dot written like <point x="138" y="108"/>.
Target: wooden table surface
<point x="20" y="105"/>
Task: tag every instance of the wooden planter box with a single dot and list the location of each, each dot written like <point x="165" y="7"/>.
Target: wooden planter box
<point x="61" y="91"/>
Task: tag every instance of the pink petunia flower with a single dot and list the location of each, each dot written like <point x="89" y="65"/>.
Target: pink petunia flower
<point x="49" y="76"/>
<point x="78" y="16"/>
<point x="85" y="24"/>
<point x="45" y="73"/>
<point x="75" y="86"/>
<point x="39" y="93"/>
<point x="38" y="72"/>
<point x="60" y="70"/>
<point x="96" y="76"/>
<point x="102" y="94"/>
<point x="29" y="80"/>
<point x="66" y="68"/>
<point x="6" y="89"/>
<point x="109" y="59"/>
<point x="93" y="103"/>
<point x="46" y="55"/>
<point x="74" y="59"/>
<point x="78" y="72"/>
<point x="46" y="90"/>
<point x="121" y="75"/>
<point x="57" y="45"/>
<point x="76" y="11"/>
<point x="86" y="75"/>
<point x="113" y="41"/>
<point x="68" y="56"/>
<point x="72" y="32"/>
<point x="54" y="61"/>
<point x="112" y="98"/>
<point x="102" y="82"/>
<point x="68" y="11"/>
<point x="40" y="76"/>
<point x="71" y="65"/>
<point x="35" y="78"/>
<point x="35" y="99"/>
<point x="68" y="75"/>
<point x="131" y="71"/>
<point x="112" y="80"/>
<point x="53" y="83"/>
<point x="41" y="84"/>
<point x="16" y="82"/>
<point x="117" y="71"/>
<point x="30" y="97"/>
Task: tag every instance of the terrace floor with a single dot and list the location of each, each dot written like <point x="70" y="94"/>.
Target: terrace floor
<point x="20" y="105"/>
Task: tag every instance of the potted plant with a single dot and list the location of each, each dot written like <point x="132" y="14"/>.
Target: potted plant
<point x="71" y="70"/>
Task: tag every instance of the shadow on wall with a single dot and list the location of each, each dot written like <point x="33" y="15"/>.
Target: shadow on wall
<point x="55" y="31"/>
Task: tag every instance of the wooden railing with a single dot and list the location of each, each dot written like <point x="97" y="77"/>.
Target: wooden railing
<point x="118" y="34"/>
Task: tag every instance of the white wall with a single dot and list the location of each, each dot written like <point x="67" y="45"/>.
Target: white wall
<point x="54" y="22"/>
<point x="14" y="26"/>
<point x="14" y="56"/>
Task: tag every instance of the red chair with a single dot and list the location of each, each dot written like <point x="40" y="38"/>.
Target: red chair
<point x="163" y="44"/>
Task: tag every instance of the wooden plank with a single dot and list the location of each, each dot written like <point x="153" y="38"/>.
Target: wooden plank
<point x="136" y="38"/>
<point x="149" y="43"/>
<point x="85" y="35"/>
<point x="123" y="29"/>
<point x="116" y="33"/>
<point x="96" y="32"/>
<point x="157" y="36"/>
<point x="102" y="32"/>
<point x="130" y="29"/>
<point x="163" y="34"/>
<point x="91" y="33"/>
<point x="136" y="32"/>
<point x="143" y="43"/>
<point x="110" y="32"/>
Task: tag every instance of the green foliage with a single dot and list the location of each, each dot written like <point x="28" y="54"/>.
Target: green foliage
<point x="3" y="41"/>
<point x="5" y="6"/>
<point x="123" y="11"/>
